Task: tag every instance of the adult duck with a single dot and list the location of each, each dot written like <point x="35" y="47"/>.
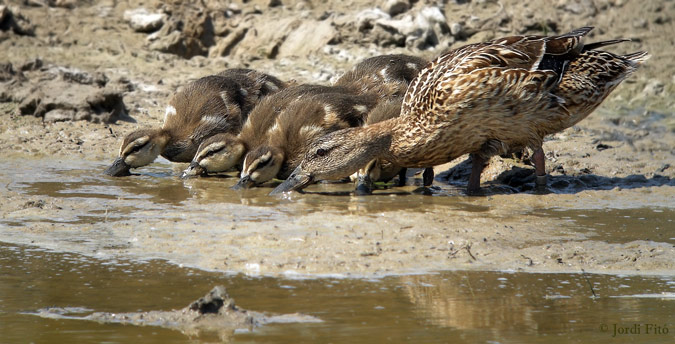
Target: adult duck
<point x="484" y="99"/>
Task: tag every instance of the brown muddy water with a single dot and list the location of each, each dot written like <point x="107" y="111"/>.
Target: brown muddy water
<point x="74" y="239"/>
<point x="460" y="307"/>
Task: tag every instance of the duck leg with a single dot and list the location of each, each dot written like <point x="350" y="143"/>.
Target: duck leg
<point x="428" y="176"/>
<point x="364" y="183"/>
<point x="539" y="160"/>
<point x="402" y="176"/>
<point x="477" y="166"/>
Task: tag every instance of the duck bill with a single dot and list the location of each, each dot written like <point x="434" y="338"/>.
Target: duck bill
<point x="364" y="185"/>
<point x="297" y="181"/>
<point x="244" y="183"/>
<point x="194" y="170"/>
<point x="118" y="168"/>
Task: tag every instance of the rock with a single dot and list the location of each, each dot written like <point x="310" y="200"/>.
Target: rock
<point x="63" y="3"/>
<point x="578" y="7"/>
<point x="30" y="65"/>
<point x="225" y="45"/>
<point x="212" y="302"/>
<point x="4" y="14"/>
<point x="422" y="29"/>
<point x="395" y="7"/>
<point x="215" y="312"/>
<point x="107" y="106"/>
<point x="456" y="29"/>
<point x="7" y="71"/>
<point x="64" y="94"/>
<point x="59" y="115"/>
<point x="274" y="3"/>
<point x="366" y="19"/>
<point x="13" y="19"/>
<point x="32" y="105"/>
<point x="308" y="38"/>
<point x="265" y="38"/>
<point x="186" y="38"/>
<point x="143" y="21"/>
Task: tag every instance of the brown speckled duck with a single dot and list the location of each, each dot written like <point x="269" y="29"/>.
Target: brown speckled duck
<point x="209" y="105"/>
<point x="225" y="151"/>
<point x="483" y="99"/>
<point x="379" y="169"/>
<point x="368" y="75"/>
<point x="299" y="125"/>
<point x="396" y="71"/>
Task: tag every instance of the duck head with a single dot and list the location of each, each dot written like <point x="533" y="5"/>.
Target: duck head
<point x="218" y="153"/>
<point x="260" y="165"/>
<point x="334" y="156"/>
<point x="139" y="148"/>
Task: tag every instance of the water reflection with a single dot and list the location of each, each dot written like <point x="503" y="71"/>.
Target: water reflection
<point x="620" y="225"/>
<point x="467" y="306"/>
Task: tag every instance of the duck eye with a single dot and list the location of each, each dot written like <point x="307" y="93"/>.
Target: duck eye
<point x="136" y="149"/>
<point x="320" y="152"/>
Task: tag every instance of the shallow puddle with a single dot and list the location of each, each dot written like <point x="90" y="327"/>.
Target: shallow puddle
<point x="463" y="307"/>
<point x="122" y="224"/>
<point x="620" y="225"/>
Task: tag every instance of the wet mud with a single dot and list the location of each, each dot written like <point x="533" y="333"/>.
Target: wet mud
<point x="76" y="77"/>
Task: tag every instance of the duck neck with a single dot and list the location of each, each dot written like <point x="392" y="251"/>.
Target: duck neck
<point x="377" y="139"/>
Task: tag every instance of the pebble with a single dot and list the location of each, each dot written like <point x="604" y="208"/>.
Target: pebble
<point x="143" y="21"/>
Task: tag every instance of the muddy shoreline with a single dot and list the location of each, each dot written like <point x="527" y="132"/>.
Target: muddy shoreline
<point x="201" y="224"/>
<point x="618" y="162"/>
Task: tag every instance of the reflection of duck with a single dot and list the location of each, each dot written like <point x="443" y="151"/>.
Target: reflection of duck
<point x="299" y="125"/>
<point x="209" y="105"/>
<point x="225" y="151"/>
<point x="484" y="99"/>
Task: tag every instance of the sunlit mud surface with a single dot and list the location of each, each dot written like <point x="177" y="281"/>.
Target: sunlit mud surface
<point x="467" y="306"/>
<point x="70" y="206"/>
<point x="510" y="266"/>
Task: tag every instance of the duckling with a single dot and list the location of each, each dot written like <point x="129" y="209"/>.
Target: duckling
<point x="379" y="169"/>
<point x="368" y="75"/>
<point x="396" y="71"/>
<point x="222" y="152"/>
<point x="209" y="105"/>
<point x="483" y="99"/>
<point x="296" y="127"/>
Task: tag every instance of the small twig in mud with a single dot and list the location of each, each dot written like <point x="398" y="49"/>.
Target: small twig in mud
<point x="583" y="273"/>
<point x="468" y="249"/>
<point x="112" y="132"/>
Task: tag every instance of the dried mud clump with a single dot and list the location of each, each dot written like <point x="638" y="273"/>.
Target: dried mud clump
<point x="58" y="93"/>
<point x="214" y="312"/>
<point x="12" y="20"/>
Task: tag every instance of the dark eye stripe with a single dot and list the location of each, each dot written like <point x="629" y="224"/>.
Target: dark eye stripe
<point x="263" y="163"/>
<point x="212" y="152"/>
<point x="136" y="149"/>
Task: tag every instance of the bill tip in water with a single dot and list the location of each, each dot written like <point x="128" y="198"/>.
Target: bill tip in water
<point x="118" y="168"/>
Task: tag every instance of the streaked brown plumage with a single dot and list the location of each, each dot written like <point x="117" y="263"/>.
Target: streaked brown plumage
<point x="299" y="125"/>
<point x="209" y="105"/>
<point x="225" y="151"/>
<point x="384" y="75"/>
<point x="484" y="99"/>
<point x="388" y="76"/>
